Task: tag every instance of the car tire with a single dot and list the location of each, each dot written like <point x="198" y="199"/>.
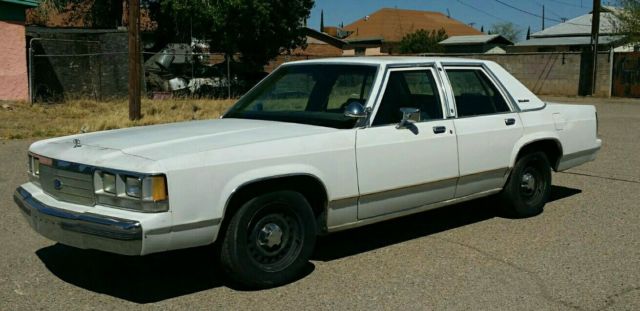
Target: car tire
<point x="269" y="240"/>
<point x="529" y="186"/>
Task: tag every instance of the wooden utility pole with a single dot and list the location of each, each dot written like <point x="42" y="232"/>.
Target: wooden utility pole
<point x="543" y="17"/>
<point x="134" y="59"/>
<point x="595" y="33"/>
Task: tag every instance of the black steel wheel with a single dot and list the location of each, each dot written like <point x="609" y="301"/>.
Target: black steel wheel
<point x="269" y="240"/>
<point x="529" y="186"/>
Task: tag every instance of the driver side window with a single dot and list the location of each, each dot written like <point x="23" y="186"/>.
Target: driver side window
<point x="409" y="89"/>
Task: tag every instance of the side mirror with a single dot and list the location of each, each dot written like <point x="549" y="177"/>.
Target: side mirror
<point x="407" y="114"/>
<point x="355" y="110"/>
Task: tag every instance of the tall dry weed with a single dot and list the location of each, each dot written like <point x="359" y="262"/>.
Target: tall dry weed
<point x="23" y="120"/>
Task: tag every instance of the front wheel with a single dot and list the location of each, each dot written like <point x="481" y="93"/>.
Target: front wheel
<point x="269" y="240"/>
<point x="529" y="186"/>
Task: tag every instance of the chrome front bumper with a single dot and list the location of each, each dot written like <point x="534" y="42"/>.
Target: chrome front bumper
<point x="82" y="230"/>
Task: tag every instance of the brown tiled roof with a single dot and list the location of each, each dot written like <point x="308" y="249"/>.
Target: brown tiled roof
<point x="393" y="24"/>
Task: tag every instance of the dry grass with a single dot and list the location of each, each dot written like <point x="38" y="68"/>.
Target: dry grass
<point x="22" y="120"/>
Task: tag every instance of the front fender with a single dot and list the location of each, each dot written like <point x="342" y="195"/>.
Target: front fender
<point x="265" y="173"/>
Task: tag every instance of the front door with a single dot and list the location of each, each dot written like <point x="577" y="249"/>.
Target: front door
<point x="400" y="169"/>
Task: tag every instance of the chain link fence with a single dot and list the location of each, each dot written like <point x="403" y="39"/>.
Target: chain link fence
<point x="61" y="69"/>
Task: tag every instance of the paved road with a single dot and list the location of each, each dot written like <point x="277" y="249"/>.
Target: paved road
<point x="582" y="253"/>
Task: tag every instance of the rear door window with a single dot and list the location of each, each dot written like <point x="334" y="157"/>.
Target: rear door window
<point x="475" y="93"/>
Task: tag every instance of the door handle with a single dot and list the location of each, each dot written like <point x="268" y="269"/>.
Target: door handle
<point x="439" y="129"/>
<point x="510" y="121"/>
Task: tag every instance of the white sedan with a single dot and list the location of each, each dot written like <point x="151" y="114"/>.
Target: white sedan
<point x="316" y="147"/>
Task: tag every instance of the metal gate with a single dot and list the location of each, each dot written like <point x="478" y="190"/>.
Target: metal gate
<point x="626" y="74"/>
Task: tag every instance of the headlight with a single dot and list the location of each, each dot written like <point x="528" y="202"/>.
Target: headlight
<point x="145" y="193"/>
<point x="133" y="186"/>
<point x="109" y="183"/>
<point x="34" y="165"/>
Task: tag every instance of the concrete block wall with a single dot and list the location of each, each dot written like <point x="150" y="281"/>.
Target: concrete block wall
<point x="556" y="74"/>
<point x="604" y="84"/>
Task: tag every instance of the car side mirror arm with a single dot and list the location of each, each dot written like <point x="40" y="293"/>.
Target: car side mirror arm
<point x="407" y="113"/>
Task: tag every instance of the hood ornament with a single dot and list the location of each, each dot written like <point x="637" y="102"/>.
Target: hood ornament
<point x="76" y="143"/>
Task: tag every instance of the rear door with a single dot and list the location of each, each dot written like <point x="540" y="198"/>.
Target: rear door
<point x="487" y="127"/>
<point x="400" y="169"/>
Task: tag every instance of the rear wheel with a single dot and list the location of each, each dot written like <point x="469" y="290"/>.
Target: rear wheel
<point x="269" y="240"/>
<point x="529" y="186"/>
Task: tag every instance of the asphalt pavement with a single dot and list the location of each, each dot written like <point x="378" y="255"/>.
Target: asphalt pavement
<point x="582" y="253"/>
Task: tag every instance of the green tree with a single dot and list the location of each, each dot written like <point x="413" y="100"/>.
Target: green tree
<point x="629" y="19"/>
<point x="79" y="13"/>
<point x="508" y="30"/>
<point x="423" y="41"/>
<point x="257" y="29"/>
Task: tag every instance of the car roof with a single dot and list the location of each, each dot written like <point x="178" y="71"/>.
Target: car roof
<point x="385" y="60"/>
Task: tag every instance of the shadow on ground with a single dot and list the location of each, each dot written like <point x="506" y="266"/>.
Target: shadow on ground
<point x="167" y="275"/>
<point x="368" y="238"/>
<point x="138" y="279"/>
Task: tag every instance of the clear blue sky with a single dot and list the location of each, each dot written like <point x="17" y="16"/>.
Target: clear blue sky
<point x="480" y="12"/>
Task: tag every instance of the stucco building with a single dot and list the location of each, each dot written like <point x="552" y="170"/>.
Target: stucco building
<point x="13" y="64"/>
<point x="490" y="44"/>
<point x="575" y="35"/>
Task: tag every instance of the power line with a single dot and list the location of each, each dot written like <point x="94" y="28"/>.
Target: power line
<point x="567" y="4"/>
<point x="551" y="11"/>
<point x="537" y="15"/>
<point x="524" y="11"/>
<point x="482" y="11"/>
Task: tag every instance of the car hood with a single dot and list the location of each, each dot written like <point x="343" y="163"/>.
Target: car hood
<point x="158" y="142"/>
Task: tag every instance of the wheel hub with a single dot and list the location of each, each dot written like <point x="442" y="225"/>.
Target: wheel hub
<point x="270" y="235"/>
<point x="528" y="183"/>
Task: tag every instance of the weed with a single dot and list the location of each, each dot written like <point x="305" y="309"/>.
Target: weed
<point x="79" y="116"/>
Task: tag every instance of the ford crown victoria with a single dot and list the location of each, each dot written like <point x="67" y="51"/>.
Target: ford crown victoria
<point x="316" y="147"/>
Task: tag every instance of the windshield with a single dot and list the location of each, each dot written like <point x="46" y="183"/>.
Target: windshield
<point x="309" y="94"/>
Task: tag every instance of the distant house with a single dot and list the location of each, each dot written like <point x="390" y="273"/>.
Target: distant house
<point x="386" y="27"/>
<point x="575" y="35"/>
<point x="320" y="44"/>
<point x="317" y="45"/>
<point x="490" y="44"/>
<point x="13" y="66"/>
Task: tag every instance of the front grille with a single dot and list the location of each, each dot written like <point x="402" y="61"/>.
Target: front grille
<point x="68" y="185"/>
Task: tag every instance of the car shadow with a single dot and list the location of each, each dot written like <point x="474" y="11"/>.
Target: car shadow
<point x="157" y="277"/>
<point x="368" y="238"/>
<point x="138" y="279"/>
